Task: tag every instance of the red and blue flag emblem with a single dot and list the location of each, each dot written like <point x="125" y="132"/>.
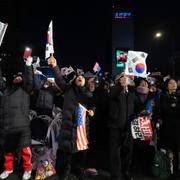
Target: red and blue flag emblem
<point x="82" y="141"/>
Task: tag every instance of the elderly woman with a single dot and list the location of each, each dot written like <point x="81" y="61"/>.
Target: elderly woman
<point x="74" y="93"/>
<point x="170" y="115"/>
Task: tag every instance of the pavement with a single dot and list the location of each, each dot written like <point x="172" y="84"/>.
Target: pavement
<point x="103" y="175"/>
<point x="102" y="165"/>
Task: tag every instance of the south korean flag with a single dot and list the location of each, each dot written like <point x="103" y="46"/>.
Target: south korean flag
<point x="136" y="64"/>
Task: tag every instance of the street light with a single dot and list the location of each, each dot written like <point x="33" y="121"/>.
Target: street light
<point x="158" y="35"/>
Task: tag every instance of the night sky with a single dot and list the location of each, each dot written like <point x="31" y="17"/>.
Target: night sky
<point x="82" y="30"/>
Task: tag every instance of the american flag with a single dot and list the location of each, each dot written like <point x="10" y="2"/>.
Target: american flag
<point x="82" y="141"/>
<point x="96" y="67"/>
<point x="49" y="45"/>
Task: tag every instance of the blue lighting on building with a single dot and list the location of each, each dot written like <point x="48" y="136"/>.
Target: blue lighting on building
<point x="122" y="15"/>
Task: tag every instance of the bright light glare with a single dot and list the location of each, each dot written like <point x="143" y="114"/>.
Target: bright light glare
<point x="158" y="34"/>
<point x="27" y="49"/>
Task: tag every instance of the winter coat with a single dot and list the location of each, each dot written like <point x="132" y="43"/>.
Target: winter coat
<point x="99" y="125"/>
<point x="170" y="114"/>
<point x="44" y="98"/>
<point x="139" y="104"/>
<point x="121" y="108"/>
<point x="73" y="95"/>
<point x="14" y="111"/>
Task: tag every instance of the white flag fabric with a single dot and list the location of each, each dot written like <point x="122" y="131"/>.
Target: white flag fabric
<point x="66" y="70"/>
<point x="63" y="71"/>
<point x="166" y="78"/>
<point x="36" y="63"/>
<point x="3" y="28"/>
<point x="49" y="44"/>
<point x="136" y="64"/>
<point x="80" y="71"/>
<point x="96" y="67"/>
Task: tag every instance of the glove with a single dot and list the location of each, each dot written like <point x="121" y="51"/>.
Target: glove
<point x="29" y="61"/>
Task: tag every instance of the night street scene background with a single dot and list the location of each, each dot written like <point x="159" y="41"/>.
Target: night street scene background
<point x="86" y="32"/>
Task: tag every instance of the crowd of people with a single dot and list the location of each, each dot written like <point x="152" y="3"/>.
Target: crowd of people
<point x="111" y="104"/>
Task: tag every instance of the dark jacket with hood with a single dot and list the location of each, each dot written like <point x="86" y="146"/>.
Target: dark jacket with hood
<point x="73" y="95"/>
<point x="14" y="111"/>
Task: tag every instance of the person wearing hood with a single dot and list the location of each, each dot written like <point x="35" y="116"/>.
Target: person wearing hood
<point x="75" y="93"/>
<point x="14" y="121"/>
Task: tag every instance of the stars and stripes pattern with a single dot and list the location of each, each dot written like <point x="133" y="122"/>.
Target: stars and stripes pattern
<point x="82" y="141"/>
<point x="49" y="44"/>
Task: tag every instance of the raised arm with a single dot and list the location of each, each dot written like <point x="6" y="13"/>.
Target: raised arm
<point x="28" y="75"/>
<point x="58" y="77"/>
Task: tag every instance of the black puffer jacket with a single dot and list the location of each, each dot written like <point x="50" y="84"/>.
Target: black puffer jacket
<point x="14" y="111"/>
<point x="73" y="95"/>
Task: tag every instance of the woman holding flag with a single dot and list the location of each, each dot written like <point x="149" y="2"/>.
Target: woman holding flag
<point x="73" y="131"/>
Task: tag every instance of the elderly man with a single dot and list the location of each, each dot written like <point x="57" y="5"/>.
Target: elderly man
<point x="121" y="142"/>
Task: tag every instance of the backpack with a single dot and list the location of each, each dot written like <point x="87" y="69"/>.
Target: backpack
<point x="161" y="165"/>
<point x="44" y="151"/>
<point x="45" y="165"/>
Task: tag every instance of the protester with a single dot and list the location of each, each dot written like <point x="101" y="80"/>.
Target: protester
<point x="14" y="122"/>
<point x="46" y="91"/>
<point x="74" y="93"/>
<point x="169" y="130"/>
<point x="121" y="142"/>
<point x="143" y="152"/>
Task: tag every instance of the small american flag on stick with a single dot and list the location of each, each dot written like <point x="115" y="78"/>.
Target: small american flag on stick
<point x="82" y="141"/>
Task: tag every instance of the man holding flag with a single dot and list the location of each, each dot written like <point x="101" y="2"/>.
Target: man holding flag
<point x="120" y="113"/>
<point x="73" y="137"/>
